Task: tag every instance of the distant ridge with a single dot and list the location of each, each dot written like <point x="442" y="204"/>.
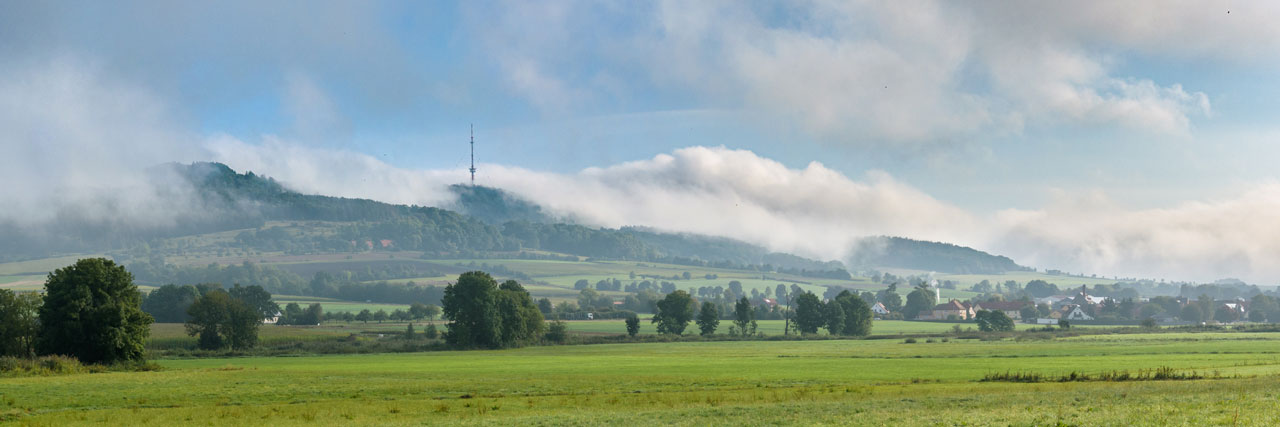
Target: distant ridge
<point x="899" y="252"/>
<point x="484" y="219"/>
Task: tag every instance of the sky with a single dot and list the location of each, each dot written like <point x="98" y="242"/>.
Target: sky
<point x="1116" y="138"/>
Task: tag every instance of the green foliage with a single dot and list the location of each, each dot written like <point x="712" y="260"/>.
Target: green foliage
<point x="557" y="331"/>
<point x="92" y="311"/>
<point x="708" y="318"/>
<point x="221" y="320"/>
<point x="919" y="301"/>
<point x="744" y="317"/>
<point x="19" y="324"/>
<point x="1191" y="313"/>
<point x="1223" y="314"/>
<point x="633" y="324"/>
<point x="674" y="313"/>
<point x="809" y="313"/>
<point x="471" y="306"/>
<point x="168" y="303"/>
<point x="1040" y="288"/>
<point x="521" y="321"/>
<point x="891" y="300"/>
<point x="257" y="299"/>
<point x="485" y="315"/>
<point x="857" y="314"/>
<point x="834" y="318"/>
<point x="930" y="256"/>
<point x="993" y="321"/>
<point x="431" y="332"/>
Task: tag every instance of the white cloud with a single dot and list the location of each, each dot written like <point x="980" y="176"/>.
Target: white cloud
<point x="1234" y="236"/>
<point x="74" y="143"/>
<point x="906" y="73"/>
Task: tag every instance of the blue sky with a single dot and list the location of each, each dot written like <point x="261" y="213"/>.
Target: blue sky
<point x="1011" y="113"/>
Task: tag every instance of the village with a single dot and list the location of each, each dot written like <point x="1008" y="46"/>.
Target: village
<point x="1080" y="306"/>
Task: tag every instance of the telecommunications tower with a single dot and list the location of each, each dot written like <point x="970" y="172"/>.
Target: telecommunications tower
<point x="473" y="155"/>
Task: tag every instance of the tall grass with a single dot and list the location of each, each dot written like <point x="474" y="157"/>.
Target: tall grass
<point x="1163" y="373"/>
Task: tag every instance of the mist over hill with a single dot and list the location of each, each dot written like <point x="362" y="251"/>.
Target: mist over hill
<point x="211" y="197"/>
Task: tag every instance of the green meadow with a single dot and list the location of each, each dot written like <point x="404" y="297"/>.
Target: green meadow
<point x="866" y="382"/>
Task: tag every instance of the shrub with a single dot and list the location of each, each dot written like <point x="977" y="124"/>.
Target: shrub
<point x="909" y="341"/>
<point x="557" y="332"/>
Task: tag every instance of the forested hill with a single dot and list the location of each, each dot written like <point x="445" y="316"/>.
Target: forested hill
<point x="495" y="206"/>
<point x="221" y="199"/>
<point x="898" y="252"/>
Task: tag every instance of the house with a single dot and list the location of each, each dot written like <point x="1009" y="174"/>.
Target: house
<point x="770" y="302"/>
<point x="1013" y="309"/>
<point x="275" y="318"/>
<point x="879" y="309"/>
<point x="955" y="308"/>
<point x="1074" y="312"/>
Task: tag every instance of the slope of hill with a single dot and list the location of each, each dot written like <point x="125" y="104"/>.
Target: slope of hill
<point x="898" y="252"/>
<point x="219" y="199"/>
<point x="495" y="206"/>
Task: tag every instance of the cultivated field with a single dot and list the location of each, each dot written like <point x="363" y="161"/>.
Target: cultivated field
<point x="871" y="382"/>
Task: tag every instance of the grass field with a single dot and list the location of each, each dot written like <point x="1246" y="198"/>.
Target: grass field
<point x="773" y="327"/>
<point x="871" y="382"/>
<point x="339" y="306"/>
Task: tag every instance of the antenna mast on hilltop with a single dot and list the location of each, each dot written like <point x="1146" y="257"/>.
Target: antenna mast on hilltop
<point x="473" y="155"/>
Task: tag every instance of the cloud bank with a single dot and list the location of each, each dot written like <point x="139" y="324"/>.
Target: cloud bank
<point x="817" y="212"/>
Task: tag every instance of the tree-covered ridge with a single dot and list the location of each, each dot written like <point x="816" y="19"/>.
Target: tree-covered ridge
<point x="495" y="206"/>
<point x="898" y="252"/>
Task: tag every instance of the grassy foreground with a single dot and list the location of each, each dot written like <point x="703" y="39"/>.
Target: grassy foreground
<point x="873" y="382"/>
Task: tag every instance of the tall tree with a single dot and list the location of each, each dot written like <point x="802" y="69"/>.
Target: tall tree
<point x="221" y="320"/>
<point x="470" y="305"/>
<point x="256" y="298"/>
<point x="834" y="314"/>
<point x="708" y="318"/>
<point x="19" y="325"/>
<point x="521" y="323"/>
<point x="674" y="313"/>
<point x="890" y="298"/>
<point x="919" y="301"/>
<point x="744" y="317"/>
<point x="93" y="311"/>
<point x="633" y="324"/>
<point x="857" y="314"/>
<point x="808" y="313"/>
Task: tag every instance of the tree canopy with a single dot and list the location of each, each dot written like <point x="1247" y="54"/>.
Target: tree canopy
<point x="809" y="313"/>
<point x="19" y="324"/>
<point x="674" y="313"/>
<point x="708" y="318"/>
<point x="993" y="321"/>
<point x="93" y="311"/>
<point x="221" y="320"/>
<point x="484" y="315"/>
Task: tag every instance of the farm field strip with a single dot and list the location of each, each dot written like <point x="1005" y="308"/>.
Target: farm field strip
<point x="683" y="382"/>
